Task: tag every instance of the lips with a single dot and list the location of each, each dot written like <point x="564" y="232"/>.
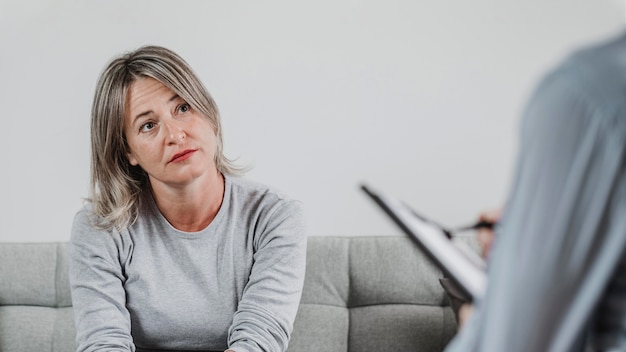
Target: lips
<point x="184" y="155"/>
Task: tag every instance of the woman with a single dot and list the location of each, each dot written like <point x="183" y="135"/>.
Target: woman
<point x="174" y="252"/>
<point x="557" y="271"/>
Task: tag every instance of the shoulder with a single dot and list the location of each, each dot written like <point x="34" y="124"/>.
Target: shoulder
<point x="600" y="57"/>
<point x="86" y="231"/>
<point x="85" y="221"/>
<point x="596" y="73"/>
<point x="264" y="207"/>
<point x="252" y="192"/>
<point x="590" y="84"/>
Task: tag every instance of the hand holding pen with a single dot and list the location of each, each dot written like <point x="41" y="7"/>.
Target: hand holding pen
<point x="485" y="234"/>
<point x="484" y="226"/>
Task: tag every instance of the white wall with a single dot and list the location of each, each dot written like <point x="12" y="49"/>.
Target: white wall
<point x="420" y="98"/>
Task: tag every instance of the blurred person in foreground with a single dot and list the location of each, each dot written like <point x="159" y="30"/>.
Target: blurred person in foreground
<point x="557" y="269"/>
<point x="173" y="251"/>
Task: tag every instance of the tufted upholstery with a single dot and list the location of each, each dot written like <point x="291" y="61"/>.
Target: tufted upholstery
<point x="371" y="294"/>
<point x="360" y="294"/>
<point x="35" y="303"/>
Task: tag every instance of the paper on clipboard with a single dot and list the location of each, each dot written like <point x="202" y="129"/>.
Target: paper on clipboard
<point x="462" y="266"/>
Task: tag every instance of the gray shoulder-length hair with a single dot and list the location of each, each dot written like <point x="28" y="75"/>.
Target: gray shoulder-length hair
<point x="116" y="185"/>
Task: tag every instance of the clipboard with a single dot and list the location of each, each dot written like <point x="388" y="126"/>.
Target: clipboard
<point x="455" y="259"/>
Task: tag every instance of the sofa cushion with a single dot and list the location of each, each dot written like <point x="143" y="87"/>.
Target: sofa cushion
<point x="371" y="294"/>
<point x="34" y="274"/>
<point x="360" y="294"/>
<point x="35" y="301"/>
<point x="400" y="327"/>
<point x="36" y="328"/>
<point x="388" y="270"/>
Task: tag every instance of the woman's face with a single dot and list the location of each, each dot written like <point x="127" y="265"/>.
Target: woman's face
<point x="170" y="141"/>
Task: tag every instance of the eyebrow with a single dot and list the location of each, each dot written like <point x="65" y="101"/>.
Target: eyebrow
<point x="174" y="97"/>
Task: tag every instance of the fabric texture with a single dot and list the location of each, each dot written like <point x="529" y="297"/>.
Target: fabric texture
<point x="371" y="294"/>
<point x="33" y="274"/>
<point x="35" y="304"/>
<point x="414" y="315"/>
<point x="556" y="272"/>
<point x="236" y="284"/>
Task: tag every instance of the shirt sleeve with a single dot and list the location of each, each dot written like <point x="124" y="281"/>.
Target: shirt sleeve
<point x="561" y="236"/>
<point x="98" y="297"/>
<point x="268" y="307"/>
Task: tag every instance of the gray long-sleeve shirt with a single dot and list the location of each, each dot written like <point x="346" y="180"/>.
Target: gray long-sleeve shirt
<point x="236" y="284"/>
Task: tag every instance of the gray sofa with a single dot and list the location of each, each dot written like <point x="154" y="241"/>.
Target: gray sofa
<point x="360" y="294"/>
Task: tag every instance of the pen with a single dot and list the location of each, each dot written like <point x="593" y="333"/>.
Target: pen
<point x="483" y="224"/>
<point x="479" y="225"/>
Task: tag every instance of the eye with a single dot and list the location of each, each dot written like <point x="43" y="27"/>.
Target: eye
<point x="183" y="108"/>
<point x="147" y="127"/>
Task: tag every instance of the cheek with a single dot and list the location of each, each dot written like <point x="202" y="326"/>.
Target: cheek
<point x="209" y="137"/>
<point x="141" y="153"/>
<point x="214" y="145"/>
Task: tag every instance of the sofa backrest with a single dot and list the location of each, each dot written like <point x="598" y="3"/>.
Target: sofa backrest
<point x="360" y="294"/>
<point x="371" y="294"/>
<point x="35" y="303"/>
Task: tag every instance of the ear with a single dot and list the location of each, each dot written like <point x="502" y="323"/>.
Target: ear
<point x="131" y="159"/>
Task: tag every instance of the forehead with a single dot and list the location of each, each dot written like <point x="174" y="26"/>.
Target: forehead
<point x="146" y="90"/>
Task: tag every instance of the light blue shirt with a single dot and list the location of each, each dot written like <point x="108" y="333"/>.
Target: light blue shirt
<point x="557" y="273"/>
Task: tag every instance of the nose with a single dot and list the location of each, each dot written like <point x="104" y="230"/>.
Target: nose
<point x="174" y="134"/>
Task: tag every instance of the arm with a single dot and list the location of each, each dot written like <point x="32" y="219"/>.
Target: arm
<point x="267" y="309"/>
<point x="98" y="297"/>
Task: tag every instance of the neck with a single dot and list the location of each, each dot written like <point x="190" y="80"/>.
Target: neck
<point x="192" y="207"/>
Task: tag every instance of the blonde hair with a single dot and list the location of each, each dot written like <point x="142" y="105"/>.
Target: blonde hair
<point x="116" y="185"/>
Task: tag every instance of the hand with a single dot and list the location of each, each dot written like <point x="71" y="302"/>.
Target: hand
<point x="484" y="236"/>
<point x="465" y="312"/>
